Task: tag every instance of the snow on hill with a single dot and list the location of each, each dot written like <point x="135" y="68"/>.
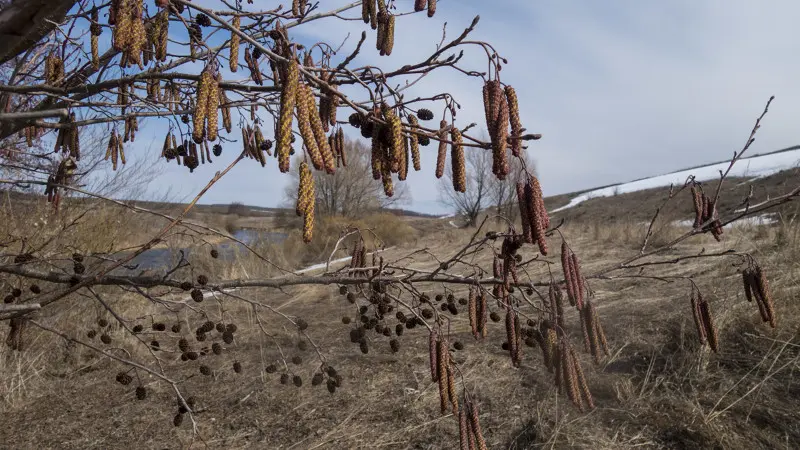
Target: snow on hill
<point x="756" y="166"/>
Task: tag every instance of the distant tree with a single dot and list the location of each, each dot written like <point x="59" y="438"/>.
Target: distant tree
<point x="484" y="189"/>
<point x="352" y="191"/>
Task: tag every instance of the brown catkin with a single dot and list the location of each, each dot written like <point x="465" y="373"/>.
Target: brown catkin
<point x="366" y="8"/>
<point x="698" y="320"/>
<point x="451" y="389"/>
<point x="697" y="202"/>
<point x="433" y="338"/>
<point x="473" y="417"/>
<point x="483" y="314"/>
<point x="708" y="323"/>
<point x="527" y="234"/>
<point x="234" y="56"/>
<point x="511" y="337"/>
<point x="748" y="286"/>
<point x="443" y="361"/>
<point x="457" y="160"/>
<point x="420" y="5"/>
<point x="473" y="311"/>
<point x="570" y="374"/>
<point x="766" y="295"/>
<point x="377" y="154"/>
<point x="463" y="429"/>
<point x="289" y="95"/>
<point x="752" y="281"/>
<point x="514" y="121"/>
<point x="576" y="268"/>
<point x="566" y="262"/>
<point x="442" y="155"/>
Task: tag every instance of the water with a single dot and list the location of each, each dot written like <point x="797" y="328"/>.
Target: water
<point x="164" y="258"/>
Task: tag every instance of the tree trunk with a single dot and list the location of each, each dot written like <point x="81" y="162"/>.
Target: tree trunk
<point x="24" y="22"/>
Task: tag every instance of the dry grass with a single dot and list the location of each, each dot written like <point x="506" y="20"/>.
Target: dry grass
<point x="659" y="389"/>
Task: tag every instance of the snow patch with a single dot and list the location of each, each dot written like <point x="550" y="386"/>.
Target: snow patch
<point x="754" y="167"/>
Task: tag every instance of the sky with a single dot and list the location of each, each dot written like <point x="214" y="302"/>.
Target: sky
<point x="619" y="90"/>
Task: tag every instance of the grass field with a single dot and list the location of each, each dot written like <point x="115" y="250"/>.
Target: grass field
<point x="658" y="389"/>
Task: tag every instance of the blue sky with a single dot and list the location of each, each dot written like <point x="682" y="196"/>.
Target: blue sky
<point x="620" y="90"/>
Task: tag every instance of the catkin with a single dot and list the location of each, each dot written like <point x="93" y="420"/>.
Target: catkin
<point x="581" y="379"/>
<point x="328" y="160"/>
<point x="463" y="429"/>
<point x="377" y="154"/>
<point x="284" y="132"/>
<point x="708" y="323"/>
<point x="766" y="296"/>
<point x="420" y="5"/>
<point x="698" y="319"/>
<point x="476" y="425"/>
<point x="234" y="57"/>
<point x="440" y="159"/>
<point x="473" y="311"/>
<point x="304" y="114"/>
<point x="451" y="388"/>
<point x="212" y="109"/>
<point x="414" y="141"/>
<point x="303" y="191"/>
<point x="395" y="138"/>
<point x="201" y="106"/>
<point x="524" y="214"/>
<point x="698" y="207"/>
<point x="514" y="121"/>
<point x="576" y="275"/>
<point x="433" y="350"/>
<point x="443" y="361"/>
<point x="95" y="32"/>
<point x="457" y="160"/>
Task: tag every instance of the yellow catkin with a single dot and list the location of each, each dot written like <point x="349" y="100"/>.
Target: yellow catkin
<point x="234" y="56"/>
<point x="414" y="141"/>
<point x="212" y="109"/>
<point x="304" y="114"/>
<point x="396" y="138"/>
<point x="303" y="193"/>
<point x="388" y="40"/>
<point x="581" y="379"/>
<point x="308" y="221"/>
<point x="201" y="106"/>
<point x="328" y="160"/>
<point x="284" y="132"/>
